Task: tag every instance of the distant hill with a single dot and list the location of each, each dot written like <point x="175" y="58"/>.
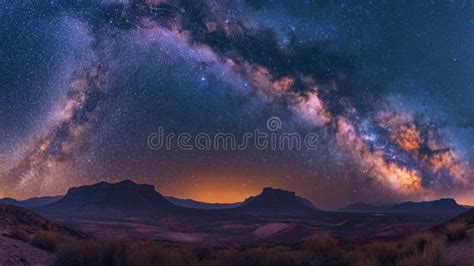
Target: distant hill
<point x="465" y="217"/>
<point x="9" y="201"/>
<point x="106" y="198"/>
<point x="33" y="202"/>
<point x="129" y="198"/>
<point x="17" y="221"/>
<point x="192" y="204"/>
<point x="435" y="206"/>
<point x="276" y="201"/>
<point x="361" y="207"/>
<point x="15" y="217"/>
<point x="269" y="198"/>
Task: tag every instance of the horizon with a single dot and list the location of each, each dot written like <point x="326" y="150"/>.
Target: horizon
<point x="246" y="197"/>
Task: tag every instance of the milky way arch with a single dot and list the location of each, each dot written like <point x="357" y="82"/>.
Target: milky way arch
<point x="403" y="151"/>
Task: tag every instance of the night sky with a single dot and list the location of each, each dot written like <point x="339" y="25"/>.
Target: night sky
<point x="388" y="87"/>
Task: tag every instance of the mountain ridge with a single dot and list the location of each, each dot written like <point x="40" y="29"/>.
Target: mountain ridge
<point x="443" y="205"/>
<point x="105" y="198"/>
<point x="127" y="197"/>
<point x="276" y="201"/>
<point x="31" y="202"/>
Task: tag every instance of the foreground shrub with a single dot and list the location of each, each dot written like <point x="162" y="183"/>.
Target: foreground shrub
<point x="147" y="254"/>
<point x="385" y="253"/>
<point x="456" y="231"/>
<point x="358" y="258"/>
<point x="120" y="252"/>
<point x="261" y="256"/>
<point x="19" y="235"/>
<point x="321" y="250"/>
<point x="89" y="252"/>
<point x="470" y="220"/>
<point x="418" y="242"/>
<point x="203" y="253"/>
<point x="430" y="256"/>
<point x="47" y="240"/>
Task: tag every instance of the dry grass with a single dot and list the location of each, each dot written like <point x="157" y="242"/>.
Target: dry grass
<point x="19" y="234"/>
<point x="261" y="256"/>
<point x="321" y="250"/>
<point x="420" y="249"/>
<point x="203" y="253"/>
<point x="418" y="242"/>
<point x="88" y="252"/>
<point x="118" y="252"/>
<point x="430" y="256"/>
<point x="456" y="231"/>
<point x="358" y="258"/>
<point x="470" y="220"/>
<point x="385" y="253"/>
<point x="144" y="254"/>
<point x="255" y="256"/>
<point x="47" y="240"/>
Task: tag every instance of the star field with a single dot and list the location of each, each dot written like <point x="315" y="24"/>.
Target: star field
<point x="386" y="85"/>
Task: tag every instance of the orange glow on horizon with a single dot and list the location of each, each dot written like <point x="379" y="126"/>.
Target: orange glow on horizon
<point x="220" y="184"/>
<point x="223" y="197"/>
<point x="219" y="193"/>
<point x="465" y="199"/>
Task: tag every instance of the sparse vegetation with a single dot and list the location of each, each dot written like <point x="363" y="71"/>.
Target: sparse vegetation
<point x="118" y="252"/>
<point x="384" y="253"/>
<point x="420" y="249"/>
<point x="430" y="256"/>
<point x="98" y="252"/>
<point x="203" y="253"/>
<point x="143" y="254"/>
<point x="470" y="220"/>
<point x="19" y="235"/>
<point x="256" y="256"/>
<point x="321" y="250"/>
<point x="358" y="257"/>
<point x="419" y="242"/>
<point x="456" y="231"/>
<point x="47" y="240"/>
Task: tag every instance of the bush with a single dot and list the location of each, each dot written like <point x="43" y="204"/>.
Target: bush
<point x="47" y="240"/>
<point x="90" y="252"/>
<point x="78" y="253"/>
<point x="203" y="253"/>
<point x="258" y="256"/>
<point x="148" y="254"/>
<point x="470" y="219"/>
<point x="430" y="256"/>
<point x="19" y="235"/>
<point x="456" y="231"/>
<point x="385" y="253"/>
<point x="321" y="250"/>
<point x="118" y="252"/>
<point x="418" y="242"/>
<point x="113" y="252"/>
<point x="358" y="258"/>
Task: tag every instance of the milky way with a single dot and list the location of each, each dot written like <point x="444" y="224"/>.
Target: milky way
<point x="304" y="66"/>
